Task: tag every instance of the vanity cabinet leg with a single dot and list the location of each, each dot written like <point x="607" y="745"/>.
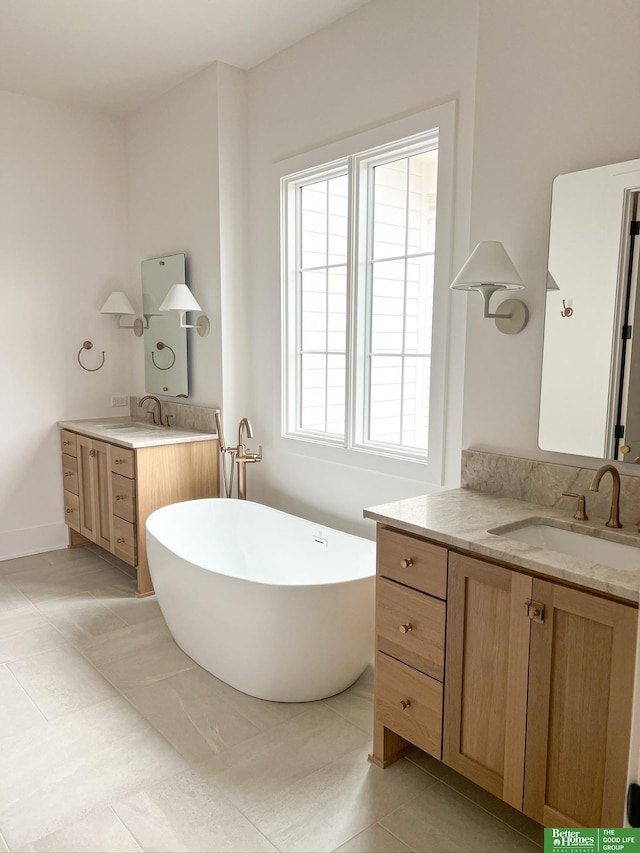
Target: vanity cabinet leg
<point x="77" y="540"/>
<point x="388" y="747"/>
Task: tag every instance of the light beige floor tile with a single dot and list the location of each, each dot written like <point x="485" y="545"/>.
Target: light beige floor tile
<point x="68" y="555"/>
<point x="497" y="807"/>
<point x="11" y="598"/>
<point x="263" y="714"/>
<point x="108" y="583"/>
<point x="57" y="774"/>
<point x="351" y="790"/>
<point x="60" y="681"/>
<point x="442" y="820"/>
<point x="101" y="831"/>
<point x="186" y="710"/>
<point x="19" y="563"/>
<point x="356" y="703"/>
<point x="17" y="711"/>
<point x="374" y="839"/>
<point x="28" y="643"/>
<point x="50" y="582"/>
<point x="429" y="764"/>
<point x="26" y="618"/>
<point x="188" y="813"/>
<point x="138" y="654"/>
<point x="81" y="619"/>
<point x="277" y="759"/>
<point x="134" y="610"/>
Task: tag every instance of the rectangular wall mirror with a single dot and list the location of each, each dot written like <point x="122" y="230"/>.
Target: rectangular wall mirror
<point x="166" y="363"/>
<point x="590" y="392"/>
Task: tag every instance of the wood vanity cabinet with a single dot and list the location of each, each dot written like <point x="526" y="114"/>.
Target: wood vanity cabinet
<point x="536" y="689"/>
<point x="110" y="490"/>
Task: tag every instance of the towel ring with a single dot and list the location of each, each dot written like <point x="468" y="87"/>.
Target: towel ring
<point x="89" y="345"/>
<point x="162" y="346"/>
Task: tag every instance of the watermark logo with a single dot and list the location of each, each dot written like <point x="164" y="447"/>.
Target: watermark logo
<point x="592" y="840"/>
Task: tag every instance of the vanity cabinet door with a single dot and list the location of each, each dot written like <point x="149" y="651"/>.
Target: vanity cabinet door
<point x="486" y="675"/>
<point x="94" y="483"/>
<point x="579" y="712"/>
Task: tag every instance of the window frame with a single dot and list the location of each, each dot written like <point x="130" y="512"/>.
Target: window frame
<point x="362" y="151"/>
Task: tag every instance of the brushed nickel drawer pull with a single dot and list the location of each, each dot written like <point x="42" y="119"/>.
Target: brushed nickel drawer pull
<point x="405" y="703"/>
<point x="406" y="627"/>
<point x="406" y="563"/>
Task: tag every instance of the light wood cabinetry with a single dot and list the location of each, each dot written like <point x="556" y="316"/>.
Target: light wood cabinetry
<point x="579" y="712"/>
<point x="94" y="490"/>
<point x="534" y="699"/>
<point x="487" y="675"/>
<point x="410" y="637"/>
<point x="109" y="491"/>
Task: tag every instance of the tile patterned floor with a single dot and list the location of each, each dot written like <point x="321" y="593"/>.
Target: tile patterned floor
<point x="112" y="739"/>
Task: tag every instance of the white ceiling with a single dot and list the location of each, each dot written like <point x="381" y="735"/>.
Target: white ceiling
<point x="114" y="55"/>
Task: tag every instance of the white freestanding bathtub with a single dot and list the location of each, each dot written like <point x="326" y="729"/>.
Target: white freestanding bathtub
<point x="276" y="606"/>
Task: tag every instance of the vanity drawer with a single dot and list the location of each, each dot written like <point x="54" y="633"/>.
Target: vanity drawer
<point x="412" y="561"/>
<point x="68" y="442"/>
<point x="123" y="501"/>
<point x="70" y="473"/>
<point x="122" y="461"/>
<point x="124" y="540"/>
<point x="410" y="626"/>
<point x="72" y="510"/>
<point x="409" y="703"/>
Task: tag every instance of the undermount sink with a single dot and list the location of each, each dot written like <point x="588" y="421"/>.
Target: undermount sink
<point x="134" y="427"/>
<point x="581" y="545"/>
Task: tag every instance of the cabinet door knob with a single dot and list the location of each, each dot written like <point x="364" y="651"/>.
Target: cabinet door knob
<point x="406" y="627"/>
<point x="92" y="453"/>
<point x="118" y="497"/>
<point x="67" y="473"/>
<point x="406" y="563"/>
<point x="69" y="510"/>
<point x="120" y="541"/>
<point x="405" y="703"/>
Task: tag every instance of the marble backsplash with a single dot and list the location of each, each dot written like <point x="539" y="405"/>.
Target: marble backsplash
<point x="198" y="418"/>
<point x="542" y="483"/>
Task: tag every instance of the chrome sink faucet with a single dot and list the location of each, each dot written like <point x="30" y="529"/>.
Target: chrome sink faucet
<point x="152" y="412"/>
<point x="614" y="515"/>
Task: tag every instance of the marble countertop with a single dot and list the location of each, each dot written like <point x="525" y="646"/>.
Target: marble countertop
<point x="462" y="518"/>
<point x="127" y="432"/>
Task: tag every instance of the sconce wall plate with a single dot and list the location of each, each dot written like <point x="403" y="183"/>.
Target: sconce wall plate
<point x="518" y="319"/>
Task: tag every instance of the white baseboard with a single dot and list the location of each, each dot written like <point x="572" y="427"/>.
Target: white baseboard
<point x="32" y="540"/>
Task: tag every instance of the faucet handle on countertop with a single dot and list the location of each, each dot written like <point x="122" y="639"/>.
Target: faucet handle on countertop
<point x="581" y="510"/>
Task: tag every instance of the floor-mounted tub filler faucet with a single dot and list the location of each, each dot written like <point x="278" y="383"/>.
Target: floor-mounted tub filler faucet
<point x="241" y="455"/>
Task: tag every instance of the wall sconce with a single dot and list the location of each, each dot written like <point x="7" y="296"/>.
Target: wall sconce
<point x="181" y="299"/>
<point x="488" y="269"/>
<point x="118" y="303"/>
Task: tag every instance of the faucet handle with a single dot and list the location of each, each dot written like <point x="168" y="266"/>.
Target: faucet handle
<point x="581" y="510"/>
<point x="167" y="420"/>
<point x="259" y="454"/>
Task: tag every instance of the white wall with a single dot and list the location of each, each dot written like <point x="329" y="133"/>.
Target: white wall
<point x="63" y="249"/>
<point x="172" y="165"/>
<point x="384" y="61"/>
<point x="556" y="89"/>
